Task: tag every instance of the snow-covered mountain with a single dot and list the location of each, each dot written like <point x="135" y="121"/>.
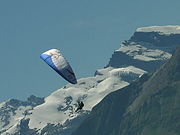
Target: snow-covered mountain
<point x="13" y="112"/>
<point x="148" y="106"/>
<point x="144" y="52"/>
<point x="58" y="110"/>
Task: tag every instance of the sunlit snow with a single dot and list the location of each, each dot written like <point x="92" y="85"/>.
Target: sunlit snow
<point x="90" y="90"/>
<point x="169" y="29"/>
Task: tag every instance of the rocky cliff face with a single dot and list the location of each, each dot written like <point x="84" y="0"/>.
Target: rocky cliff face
<point x="156" y="39"/>
<point x="140" y="56"/>
<point x="160" y="36"/>
<point x="148" y="46"/>
<point x="151" y="105"/>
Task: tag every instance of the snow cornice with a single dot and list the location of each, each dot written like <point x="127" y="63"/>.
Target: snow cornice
<point x="167" y="30"/>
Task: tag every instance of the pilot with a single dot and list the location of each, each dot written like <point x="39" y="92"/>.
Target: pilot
<point x="80" y="106"/>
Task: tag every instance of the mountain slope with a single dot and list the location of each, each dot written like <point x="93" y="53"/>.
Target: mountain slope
<point x="13" y="112"/>
<point x="62" y="103"/>
<point x="57" y="114"/>
<point x="148" y="106"/>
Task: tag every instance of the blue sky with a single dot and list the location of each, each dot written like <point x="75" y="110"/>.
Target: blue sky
<point x="86" y="31"/>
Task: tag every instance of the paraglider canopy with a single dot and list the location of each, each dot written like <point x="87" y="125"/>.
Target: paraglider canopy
<point x="57" y="62"/>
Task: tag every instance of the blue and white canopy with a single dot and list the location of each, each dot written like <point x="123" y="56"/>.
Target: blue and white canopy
<point x="57" y="61"/>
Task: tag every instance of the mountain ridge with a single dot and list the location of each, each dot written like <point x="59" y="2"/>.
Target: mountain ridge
<point x="148" y="106"/>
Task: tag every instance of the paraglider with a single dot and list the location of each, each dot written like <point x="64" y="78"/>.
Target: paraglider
<point x="57" y="62"/>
